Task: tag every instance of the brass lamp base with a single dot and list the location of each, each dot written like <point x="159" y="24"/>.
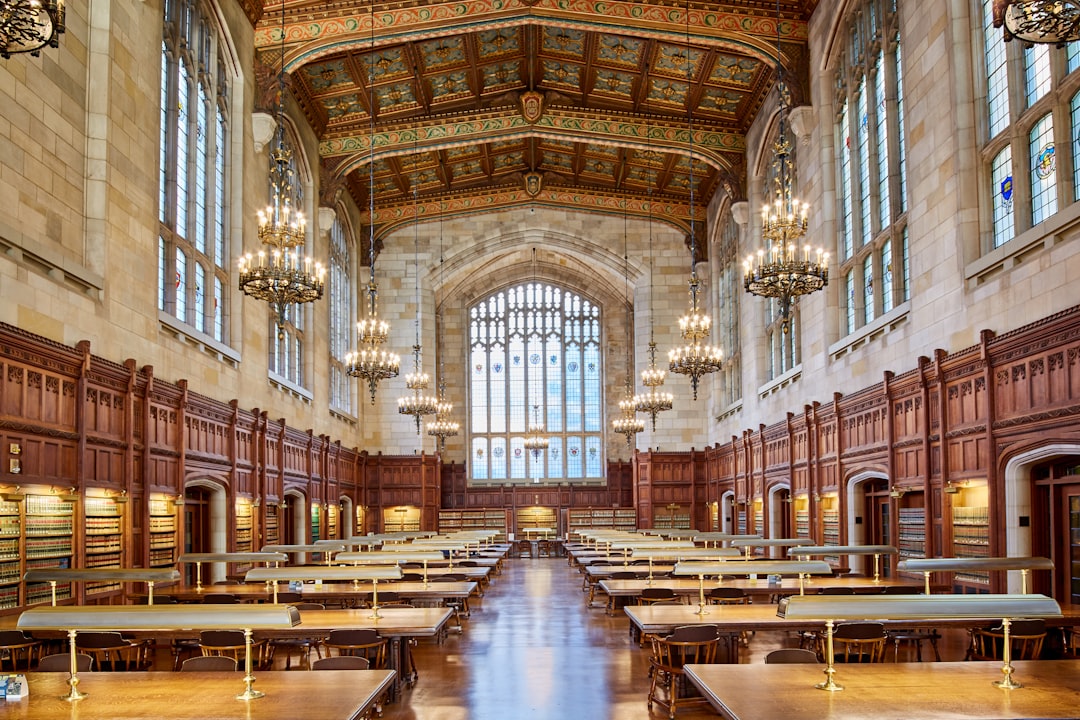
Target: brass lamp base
<point x="250" y="694"/>
<point x="74" y="693"/>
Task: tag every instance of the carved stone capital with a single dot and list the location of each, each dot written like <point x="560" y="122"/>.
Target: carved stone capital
<point x="263" y="126"/>
<point x="326" y="220"/>
<point x="802" y="122"/>
<point x="740" y="213"/>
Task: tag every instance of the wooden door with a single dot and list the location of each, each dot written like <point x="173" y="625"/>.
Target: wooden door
<point x="196" y="526"/>
<point x="878" y="517"/>
<point x="1067" y="562"/>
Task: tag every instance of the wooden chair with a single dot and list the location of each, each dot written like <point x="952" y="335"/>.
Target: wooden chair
<point x="14" y="644"/>
<point x="61" y="662"/>
<point x="1025" y="638"/>
<point x="111" y="651"/>
<point x="341" y="662"/>
<point x="727" y="596"/>
<point x="857" y="642"/>
<point x="220" y="599"/>
<point x="212" y="663"/>
<point x="363" y="643"/>
<point x="687" y="644"/>
<point x="791" y="655"/>
<point x="230" y="643"/>
<point x="299" y="646"/>
<point x="289" y="597"/>
<point x="653" y="595"/>
<point x="543" y="548"/>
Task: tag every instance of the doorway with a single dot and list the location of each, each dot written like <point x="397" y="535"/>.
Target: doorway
<point x="877" y="514"/>
<point x="1056" y="496"/>
<point x="197" y="526"/>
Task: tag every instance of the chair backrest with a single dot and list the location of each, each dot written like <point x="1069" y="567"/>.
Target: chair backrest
<point x="861" y="642"/>
<point x="836" y="591"/>
<point x="101" y="641"/>
<point x="365" y="643"/>
<point x="1026" y="637"/>
<point x="289" y="597"/>
<point x="220" y="599"/>
<point x="341" y="662"/>
<point x="447" y="577"/>
<point x="468" y="563"/>
<point x="901" y="590"/>
<point x="791" y="655"/>
<point x="729" y="596"/>
<point x="309" y="606"/>
<point x="9" y="638"/>
<point x="210" y="663"/>
<point x="229" y="643"/>
<point x="623" y="575"/>
<point x="687" y="644"/>
<point x="61" y="662"/>
<point x="412" y="576"/>
<point x="652" y="595"/>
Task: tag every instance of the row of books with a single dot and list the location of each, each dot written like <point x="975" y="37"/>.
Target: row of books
<point x="59" y="525"/>
<point x="46" y="505"/>
<point x="97" y="544"/>
<point x="971" y="516"/>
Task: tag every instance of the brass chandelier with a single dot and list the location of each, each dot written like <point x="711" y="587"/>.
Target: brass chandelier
<point x="694" y="359"/>
<point x="628" y="423"/>
<point x="536" y="440"/>
<point x="418" y="404"/>
<point x="1039" y="21"/>
<point x="26" y="26"/>
<point x="371" y="363"/>
<point x="279" y="274"/>
<point x="782" y="269"/>
<point x="442" y="427"/>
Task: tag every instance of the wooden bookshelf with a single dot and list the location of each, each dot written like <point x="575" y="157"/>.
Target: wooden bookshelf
<point x="911" y="527"/>
<point x="271" y="532"/>
<point x="103" y="539"/>
<point x="476" y="519"/>
<point x="401" y="519"/>
<point x="48" y="526"/>
<point x="616" y="518"/>
<point x="970" y="534"/>
<point x="10" y="554"/>
<point x="162" y="533"/>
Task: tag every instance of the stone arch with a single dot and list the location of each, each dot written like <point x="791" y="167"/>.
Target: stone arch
<point x="1017" y="475"/>
<point x="727" y="512"/>
<point x="855" y="498"/>
<point x="218" y="491"/>
<point x="776" y="509"/>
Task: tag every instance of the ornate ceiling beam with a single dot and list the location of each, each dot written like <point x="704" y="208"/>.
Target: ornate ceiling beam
<point x="710" y="146"/>
<point x="310" y="35"/>
<point x="675" y="213"/>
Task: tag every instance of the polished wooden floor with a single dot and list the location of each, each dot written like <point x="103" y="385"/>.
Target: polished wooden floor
<point x="533" y="651"/>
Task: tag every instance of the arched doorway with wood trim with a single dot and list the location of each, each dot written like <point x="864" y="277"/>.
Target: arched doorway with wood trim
<point x="206" y="524"/>
<point x="869" y="516"/>
<point x="1041" y="516"/>
<point x="727" y="512"/>
<point x="779" y="516"/>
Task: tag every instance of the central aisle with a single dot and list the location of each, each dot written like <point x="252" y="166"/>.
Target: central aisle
<point x="533" y="651"/>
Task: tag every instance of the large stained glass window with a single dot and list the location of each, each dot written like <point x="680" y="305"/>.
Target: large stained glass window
<point x="871" y="173"/>
<point x="193" y="175"/>
<point x="535" y="357"/>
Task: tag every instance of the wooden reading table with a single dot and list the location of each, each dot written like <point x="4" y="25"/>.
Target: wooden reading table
<point x="888" y="691"/>
<point x="323" y="695"/>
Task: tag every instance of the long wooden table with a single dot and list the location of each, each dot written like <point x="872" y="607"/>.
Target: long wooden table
<point x="756" y="589"/>
<point x="732" y="620"/>
<point x="888" y="691"/>
<point x="323" y="695"/>
<point x="337" y="593"/>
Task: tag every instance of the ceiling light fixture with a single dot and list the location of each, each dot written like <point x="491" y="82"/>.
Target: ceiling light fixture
<point x="628" y="423"/>
<point x="443" y="427"/>
<point x="26" y="26"/>
<point x="279" y="274"/>
<point x="782" y="269"/>
<point x="369" y="362"/>
<point x="1054" y="22"/>
<point x="418" y="404"/>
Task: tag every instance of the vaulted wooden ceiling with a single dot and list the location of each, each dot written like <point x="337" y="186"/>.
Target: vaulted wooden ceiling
<point x="611" y="107"/>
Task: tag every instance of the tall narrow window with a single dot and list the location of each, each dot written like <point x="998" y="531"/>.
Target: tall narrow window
<point x="342" y="318"/>
<point x="729" y="290"/>
<point x="1027" y="88"/>
<point x="871" y="154"/>
<point x="193" y="173"/>
<point x="535" y="348"/>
